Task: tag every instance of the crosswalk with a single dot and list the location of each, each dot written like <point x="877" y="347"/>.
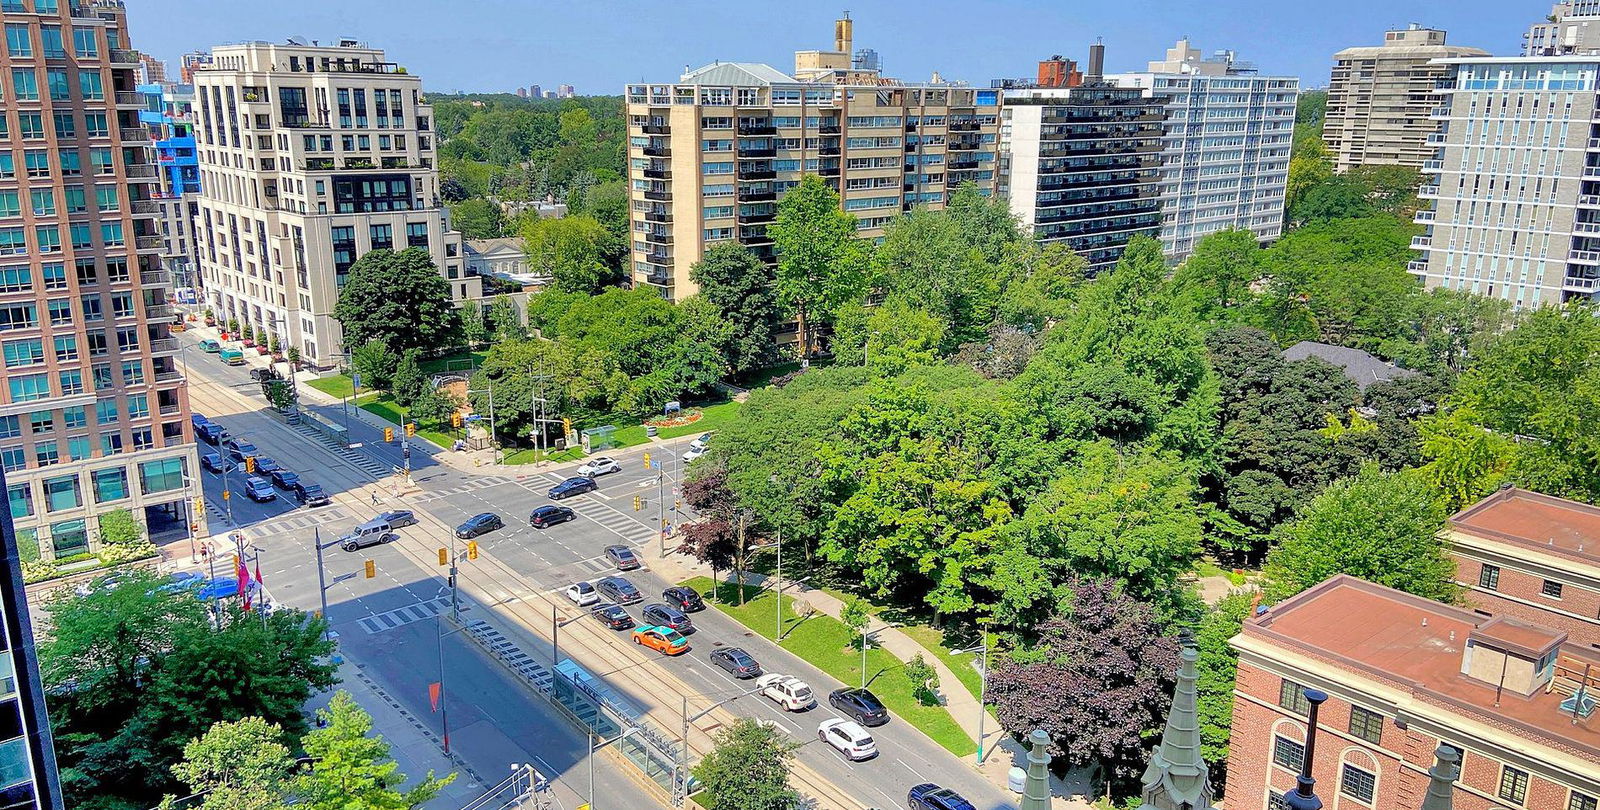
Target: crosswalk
<point x="389" y="620"/>
<point x="617" y="521"/>
<point x="472" y="485"/>
<point x="356" y="457"/>
<point x="298" y="520"/>
<point x="509" y="653"/>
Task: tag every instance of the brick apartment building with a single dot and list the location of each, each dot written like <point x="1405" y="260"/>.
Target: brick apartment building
<point x="1405" y="674"/>
<point x="1532" y="557"/>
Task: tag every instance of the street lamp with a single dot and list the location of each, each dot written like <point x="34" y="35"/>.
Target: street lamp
<point x="594" y="748"/>
<point x="682" y="781"/>
<point x="865" y="637"/>
<point x="983" y="677"/>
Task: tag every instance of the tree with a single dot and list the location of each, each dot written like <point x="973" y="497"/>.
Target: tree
<point x="1217" y="275"/>
<point x="924" y="680"/>
<point x="1097" y="680"/>
<point x="239" y="765"/>
<point x="821" y="263"/>
<point x="926" y="261"/>
<point x="574" y="251"/>
<point x="118" y="528"/>
<point x="408" y="382"/>
<point x="433" y="407"/>
<point x="739" y="285"/>
<point x="856" y="616"/>
<point x="607" y="202"/>
<point x="1218" y="671"/>
<point x="351" y="770"/>
<point x="505" y="320"/>
<point x="399" y="298"/>
<point x="474" y="326"/>
<point x="451" y="190"/>
<point x="748" y="769"/>
<point x="375" y="364"/>
<point x="478" y="219"/>
<point x="1382" y="527"/>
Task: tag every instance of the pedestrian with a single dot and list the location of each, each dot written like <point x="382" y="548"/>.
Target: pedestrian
<point x="374" y="497"/>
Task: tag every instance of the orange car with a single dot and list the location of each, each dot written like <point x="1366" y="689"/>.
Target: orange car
<point x="664" y="640"/>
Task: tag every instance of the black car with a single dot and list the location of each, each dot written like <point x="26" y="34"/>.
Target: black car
<point x="215" y="463"/>
<point x="928" y="796"/>
<point x="399" y="518"/>
<point x="267" y="464"/>
<point x="546" y="516"/>
<point x="623" y="558"/>
<point x="613" y="616"/>
<point x="657" y="613"/>
<point x="311" y="494"/>
<point x="859" y="705"/>
<point x="211" y="433"/>
<point x="259" y="489"/>
<point x="479" y="524"/>
<point x="737" y="662"/>
<point x="239" y="451"/>
<point x="618" y="590"/>
<point x="283" y="479"/>
<point x="684" y="599"/>
<point x="571" y="487"/>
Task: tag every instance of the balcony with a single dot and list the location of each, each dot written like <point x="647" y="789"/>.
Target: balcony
<point x="359" y="163"/>
<point x="755" y="239"/>
<point x="1423" y="216"/>
<point x="957" y="165"/>
<point x="758" y="129"/>
<point x="757" y="152"/>
<point x="962" y="146"/>
<point x="657" y="216"/>
<point x="122" y="57"/>
<point x="657" y="151"/>
<point x="757" y="174"/>
<point x="657" y="174"/>
<point x="155" y="278"/>
<point x="1589" y="200"/>
<point x="170" y="410"/>
<point x="657" y="129"/>
<point x="163" y="377"/>
<point x="127" y="99"/>
<point x="1432" y="166"/>
<point x="828" y="129"/>
<point x="659" y="196"/>
<point x="962" y="126"/>
<point x="1421" y="242"/>
<point x="1594" y="144"/>
<point x="1437" y="137"/>
<point x="829" y="171"/>
<point x="317" y="164"/>
<point x="145" y="208"/>
<point x="1586" y="228"/>
<point x="1417" y="267"/>
<point x="757" y="195"/>
<point x="658" y="238"/>
<point x="1585" y="257"/>
<point x="1580" y="284"/>
<point x="1428" y="191"/>
<point x="757" y="218"/>
<point x="138" y="135"/>
<point x="158" y="312"/>
<point x="828" y="151"/>
<point x="1439" y="112"/>
<point x="161" y="346"/>
<point x="149" y="242"/>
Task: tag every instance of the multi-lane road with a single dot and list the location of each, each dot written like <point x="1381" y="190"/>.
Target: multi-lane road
<point x="387" y="625"/>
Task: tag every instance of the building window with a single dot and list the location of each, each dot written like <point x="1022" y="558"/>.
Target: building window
<point x="1292" y="696"/>
<point x="21" y="498"/>
<point x="29" y="387"/>
<point x="13" y="458"/>
<point x="1513" y="785"/>
<point x="1489" y="577"/>
<point x="1368" y="725"/>
<point x="1357" y="783"/>
<point x="1551" y="589"/>
<point x="164" y="475"/>
<point x="62" y="493"/>
<point x="1275" y="801"/>
<point x="1287" y="753"/>
<point x="1578" y="801"/>
<point x="69" y="537"/>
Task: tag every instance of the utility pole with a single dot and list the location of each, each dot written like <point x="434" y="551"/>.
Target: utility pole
<point x="322" y="585"/>
<point x="777" y="629"/>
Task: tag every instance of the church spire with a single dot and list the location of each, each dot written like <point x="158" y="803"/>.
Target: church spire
<point x="1441" y="779"/>
<point x="1036" y="789"/>
<point x="1177" y="777"/>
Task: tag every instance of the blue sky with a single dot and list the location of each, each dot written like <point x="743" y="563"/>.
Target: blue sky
<point x="599" y="45"/>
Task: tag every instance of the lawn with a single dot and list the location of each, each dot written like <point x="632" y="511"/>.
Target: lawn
<point x="712" y="417"/>
<point x="934" y="641"/>
<point x="529" y="456"/>
<point x="337" y="385"/>
<point x="384" y="406"/>
<point x="825" y="642"/>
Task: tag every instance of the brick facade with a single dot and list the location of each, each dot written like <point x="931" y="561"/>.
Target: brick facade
<point x="1519" y="593"/>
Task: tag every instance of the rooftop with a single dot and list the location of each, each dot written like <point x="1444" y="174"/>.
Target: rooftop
<point x="1370" y="629"/>
<point x="1358" y="365"/>
<point x="1534" y="520"/>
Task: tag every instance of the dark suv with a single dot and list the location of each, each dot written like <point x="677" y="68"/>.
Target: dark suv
<point x="618" y="590"/>
<point x="684" y="599"/>
<point x="859" y="705"/>
<point x="549" y="515"/>
<point x="928" y="796"/>
<point x="311" y="494"/>
<point x="665" y="616"/>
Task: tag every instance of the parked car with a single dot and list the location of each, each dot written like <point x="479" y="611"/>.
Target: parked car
<point x="859" y="704"/>
<point x="791" y="693"/>
<point x="222" y="587"/>
<point x="399" y="518"/>
<point x="736" y="662"/>
<point x="232" y="357"/>
<point x="215" y="463"/>
<point x="267" y="465"/>
<point x="684" y="599"/>
<point x="283" y="479"/>
<point x="701" y="442"/>
<point x="599" y="465"/>
<point x="211" y="433"/>
<point x="582" y="594"/>
<point x="197" y="420"/>
<point x="259" y="489"/>
<point x="549" y="515"/>
<point x="848" y="738"/>
<point x="623" y="558"/>
<point x="613" y="616"/>
<point x="692" y="454"/>
<point x="664" y="640"/>
<point x="479" y="524"/>
<point x="571" y="487"/>
<point x="311" y="494"/>
<point x="264" y="374"/>
<point x="618" y="590"/>
<point x="657" y="613"/>
<point x="210" y="346"/>
<point x="240" y="450"/>
<point x="928" y="796"/>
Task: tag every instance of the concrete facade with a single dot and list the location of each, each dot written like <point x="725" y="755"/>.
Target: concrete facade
<point x="1573" y="27"/>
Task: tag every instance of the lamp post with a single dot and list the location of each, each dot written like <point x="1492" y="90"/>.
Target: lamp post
<point x="682" y="780"/>
<point x="983" y="678"/>
<point x="594" y="748"/>
<point x="865" y="637"/>
<point x="1304" y="795"/>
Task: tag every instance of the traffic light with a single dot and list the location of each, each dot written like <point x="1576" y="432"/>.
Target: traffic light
<point x="637" y="503"/>
<point x="444" y="557"/>
<point x="249" y="465"/>
<point x="566" y="425"/>
<point x="388" y="434"/>
<point x="647" y="461"/>
<point x="372" y="569"/>
<point x="472" y="549"/>
<point x="226" y="494"/>
<point x="455" y="419"/>
<point x="199" y="504"/>
<point x="411" y="429"/>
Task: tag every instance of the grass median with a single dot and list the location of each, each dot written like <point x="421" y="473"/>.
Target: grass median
<point x="827" y="644"/>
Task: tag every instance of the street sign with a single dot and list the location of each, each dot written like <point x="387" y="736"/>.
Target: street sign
<point x="355" y="379"/>
<point x="655" y="465"/>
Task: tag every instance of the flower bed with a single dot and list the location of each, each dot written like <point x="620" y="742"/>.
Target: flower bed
<point x="678" y="419"/>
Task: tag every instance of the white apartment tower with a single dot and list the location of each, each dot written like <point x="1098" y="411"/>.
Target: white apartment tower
<point x="311" y="156"/>
<point x="1515" y="181"/>
<point x="1225" y="145"/>
<point x="1572" y="28"/>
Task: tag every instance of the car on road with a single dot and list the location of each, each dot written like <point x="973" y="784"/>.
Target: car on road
<point x="309" y="494"/>
<point x="215" y="463"/>
<point x="267" y="465"/>
<point x="693" y="453"/>
<point x="657" y="613"/>
<point x="683" y="598"/>
<point x="861" y="705"/>
<point x="264" y="374"/>
<point x="623" y="558"/>
<point x="479" y="524"/>
<point x="928" y="796"/>
<point x="664" y="640"/>
<point x="614" y="617"/>
<point x="572" y="486"/>
<point x="618" y="590"/>
<point x="210" y="346"/>
<point x="240" y="450"/>
<point x="793" y="694"/>
<point x="198" y="419"/>
<point x="848" y="738"/>
<point x="211" y="433"/>
<point x="259" y="489"/>
<point x="356" y="542"/>
<point x="549" y="515"/>
<point x="283" y="479"/>
<point x="223" y="587"/>
<point x="599" y="465"/>
<point x="232" y="357"/>
<point x="701" y="442"/>
<point x="583" y="594"/>
<point x="736" y="662"/>
<point x="399" y="518"/>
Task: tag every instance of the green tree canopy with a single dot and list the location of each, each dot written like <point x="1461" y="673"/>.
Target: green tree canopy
<point x="821" y="262"/>
<point x="748" y="769"/>
<point x="478" y="219"/>
<point x="400" y="299"/>
<point x="739" y="286"/>
<point x="576" y="251"/>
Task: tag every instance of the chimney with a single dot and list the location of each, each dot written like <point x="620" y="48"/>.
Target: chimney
<point x="1097" y="63"/>
<point x="1304" y="795"/>
<point x="843" y="34"/>
<point x="1441" y="779"/>
<point x="1036" y="787"/>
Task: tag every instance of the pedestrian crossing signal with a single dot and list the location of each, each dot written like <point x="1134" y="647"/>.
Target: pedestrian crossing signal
<point x="388" y="434"/>
<point x="372" y="569"/>
<point x="472" y="549"/>
<point x="444" y="557"/>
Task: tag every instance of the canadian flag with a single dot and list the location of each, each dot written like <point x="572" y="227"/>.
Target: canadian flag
<point x="244" y="581"/>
